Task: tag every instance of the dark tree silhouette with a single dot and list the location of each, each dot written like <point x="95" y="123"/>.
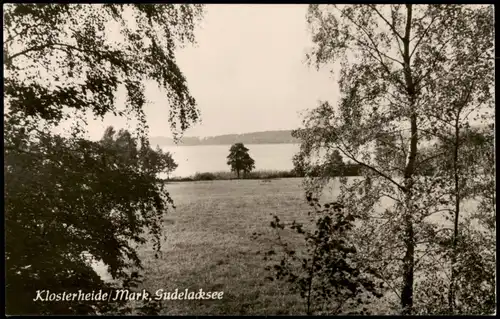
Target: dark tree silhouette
<point x="67" y="197"/>
<point x="240" y="160"/>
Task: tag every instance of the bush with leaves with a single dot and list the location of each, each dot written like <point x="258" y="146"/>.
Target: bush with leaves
<point x="207" y="176"/>
<point x="298" y="165"/>
<point x="66" y="197"/>
<point x="327" y="273"/>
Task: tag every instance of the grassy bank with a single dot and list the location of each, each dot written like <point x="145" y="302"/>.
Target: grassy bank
<point x="224" y="175"/>
<point x="346" y="170"/>
<point x="349" y="170"/>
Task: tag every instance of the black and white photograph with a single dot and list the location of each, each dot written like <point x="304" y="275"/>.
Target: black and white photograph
<point x="249" y="159"/>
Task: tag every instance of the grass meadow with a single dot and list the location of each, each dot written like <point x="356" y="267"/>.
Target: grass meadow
<point x="209" y="245"/>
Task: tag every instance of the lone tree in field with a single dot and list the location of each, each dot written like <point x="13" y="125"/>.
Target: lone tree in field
<point x="239" y="159"/>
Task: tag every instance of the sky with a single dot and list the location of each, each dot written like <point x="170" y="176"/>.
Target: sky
<point x="247" y="73"/>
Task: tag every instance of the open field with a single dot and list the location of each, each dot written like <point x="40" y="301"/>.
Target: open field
<point x="209" y="245"/>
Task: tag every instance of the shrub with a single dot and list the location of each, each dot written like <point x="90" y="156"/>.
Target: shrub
<point x="329" y="276"/>
<point x="204" y="176"/>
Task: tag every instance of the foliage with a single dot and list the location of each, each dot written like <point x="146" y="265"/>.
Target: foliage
<point x="474" y="143"/>
<point x="470" y="251"/>
<point x="151" y="161"/>
<point x="101" y="200"/>
<point x="298" y="165"/>
<point x="409" y="74"/>
<point x="68" y="197"/>
<point x="207" y="176"/>
<point x="62" y="55"/>
<point x="334" y="167"/>
<point x="239" y="159"/>
<point x="328" y="274"/>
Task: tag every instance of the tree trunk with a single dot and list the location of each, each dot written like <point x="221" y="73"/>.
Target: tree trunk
<point x="408" y="260"/>
<point x="409" y="241"/>
<point x="238" y="173"/>
<point x="451" y="294"/>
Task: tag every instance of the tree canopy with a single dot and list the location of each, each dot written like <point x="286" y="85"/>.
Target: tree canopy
<point x="68" y="197"/>
<point x="239" y="159"/>
<point x="408" y="76"/>
<point x="61" y="57"/>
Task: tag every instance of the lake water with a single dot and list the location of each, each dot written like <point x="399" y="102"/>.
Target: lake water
<point x="213" y="158"/>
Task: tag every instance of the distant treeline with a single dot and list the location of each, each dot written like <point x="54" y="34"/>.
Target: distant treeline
<point x="267" y="137"/>
<point x="347" y="170"/>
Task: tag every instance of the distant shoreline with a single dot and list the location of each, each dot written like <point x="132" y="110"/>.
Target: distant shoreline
<point x="229" y="144"/>
<point x="267" y="137"/>
<point x="258" y="174"/>
<point x="227" y="175"/>
<point x="252" y="138"/>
